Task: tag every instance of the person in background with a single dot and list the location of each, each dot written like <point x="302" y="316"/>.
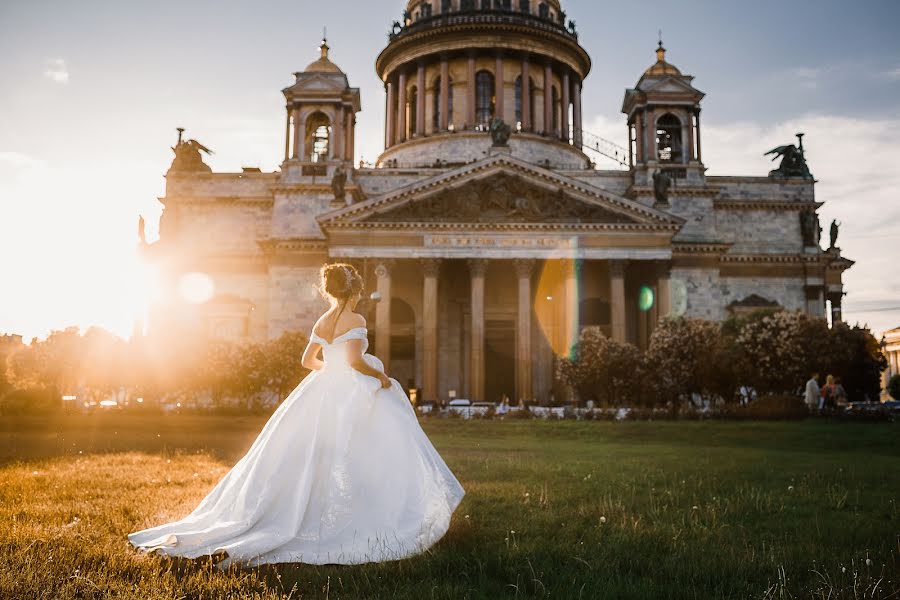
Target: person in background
<point x="839" y="397"/>
<point x="826" y="401"/>
<point x="812" y="392"/>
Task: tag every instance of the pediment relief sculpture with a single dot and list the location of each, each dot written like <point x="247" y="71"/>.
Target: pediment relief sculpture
<point x="501" y="199"/>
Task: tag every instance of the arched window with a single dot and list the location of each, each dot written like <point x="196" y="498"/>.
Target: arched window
<point x="318" y="136"/>
<point x="445" y="6"/>
<point x="467" y="5"/>
<point x="412" y="103"/>
<point x="436" y="103"/>
<point x="525" y="6"/>
<point x="485" y="99"/>
<point x="519" y="115"/>
<point x="543" y="10"/>
<point x="485" y="4"/>
<point x="668" y="139"/>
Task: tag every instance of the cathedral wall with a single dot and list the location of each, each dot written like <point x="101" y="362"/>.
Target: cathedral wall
<point x="220" y="185"/>
<point x="468" y="146"/>
<point x="294" y="301"/>
<point x="788" y="292"/>
<point x="215" y="227"/>
<point x="252" y="287"/>
<point x="294" y="213"/>
<point x="698" y="213"/>
<point x="763" y="188"/>
<point x="616" y="182"/>
<point x="701" y="291"/>
<point x="374" y="182"/>
<point x="760" y="231"/>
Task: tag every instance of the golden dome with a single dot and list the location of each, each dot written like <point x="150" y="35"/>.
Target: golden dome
<point x="322" y="64"/>
<point x="661" y="67"/>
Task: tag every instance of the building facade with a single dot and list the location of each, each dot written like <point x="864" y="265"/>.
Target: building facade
<point x="891" y="347"/>
<point x="486" y="226"/>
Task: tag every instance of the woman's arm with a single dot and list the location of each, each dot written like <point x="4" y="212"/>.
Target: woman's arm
<point x="310" y="358"/>
<point x="355" y="358"/>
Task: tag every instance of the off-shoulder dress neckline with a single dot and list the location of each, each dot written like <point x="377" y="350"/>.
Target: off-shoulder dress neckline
<point x="337" y="337"/>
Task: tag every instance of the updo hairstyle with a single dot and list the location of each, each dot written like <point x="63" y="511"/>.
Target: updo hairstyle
<point x="340" y="281"/>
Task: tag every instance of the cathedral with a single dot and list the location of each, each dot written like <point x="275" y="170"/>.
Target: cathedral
<point x="492" y="229"/>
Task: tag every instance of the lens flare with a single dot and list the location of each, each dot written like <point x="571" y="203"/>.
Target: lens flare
<point x="645" y="298"/>
<point x="196" y="288"/>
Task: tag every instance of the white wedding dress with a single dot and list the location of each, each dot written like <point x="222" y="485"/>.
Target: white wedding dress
<point x="342" y="473"/>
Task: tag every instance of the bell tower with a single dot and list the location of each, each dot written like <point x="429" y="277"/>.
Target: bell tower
<point x="663" y="112"/>
<point x="321" y="117"/>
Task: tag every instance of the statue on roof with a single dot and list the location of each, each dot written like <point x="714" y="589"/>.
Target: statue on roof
<point x="187" y="155"/>
<point x="338" y="182"/>
<point x="834" y="233"/>
<point x="661" y="184"/>
<point x="793" y="161"/>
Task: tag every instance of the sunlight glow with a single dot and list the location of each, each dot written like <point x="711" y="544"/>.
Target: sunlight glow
<point x="196" y="288"/>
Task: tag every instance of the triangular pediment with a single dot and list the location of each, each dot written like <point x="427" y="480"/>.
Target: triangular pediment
<point x="500" y="190"/>
<point x="669" y="85"/>
<point x="318" y="82"/>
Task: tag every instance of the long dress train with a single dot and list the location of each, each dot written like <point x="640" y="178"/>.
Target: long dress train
<point x="342" y="473"/>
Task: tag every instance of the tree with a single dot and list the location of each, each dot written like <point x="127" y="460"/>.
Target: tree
<point x="684" y="358"/>
<point x="893" y="387"/>
<point x="602" y="369"/>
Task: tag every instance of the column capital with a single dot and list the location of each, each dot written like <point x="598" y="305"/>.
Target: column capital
<point x="617" y="267"/>
<point x="524" y="267"/>
<point x="477" y="266"/>
<point x="431" y="267"/>
<point x="383" y="267"/>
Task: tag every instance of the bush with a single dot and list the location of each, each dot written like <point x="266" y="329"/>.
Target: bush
<point x="772" y="406"/>
<point x="603" y="369"/>
<point x="684" y="358"/>
<point x="893" y="387"/>
<point x="34" y="401"/>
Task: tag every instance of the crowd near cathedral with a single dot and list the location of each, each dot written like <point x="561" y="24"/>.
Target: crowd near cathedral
<point x="493" y="228"/>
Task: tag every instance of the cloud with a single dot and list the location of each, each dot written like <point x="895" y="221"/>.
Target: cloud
<point x="892" y="74"/>
<point x="55" y="69"/>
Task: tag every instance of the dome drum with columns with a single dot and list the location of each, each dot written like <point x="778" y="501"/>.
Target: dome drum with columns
<point x="490" y="259"/>
<point x="517" y="63"/>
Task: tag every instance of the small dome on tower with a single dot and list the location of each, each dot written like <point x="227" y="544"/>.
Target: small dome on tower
<point x="661" y="67"/>
<point x="323" y="64"/>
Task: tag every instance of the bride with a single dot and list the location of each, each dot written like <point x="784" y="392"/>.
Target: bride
<point x="342" y="472"/>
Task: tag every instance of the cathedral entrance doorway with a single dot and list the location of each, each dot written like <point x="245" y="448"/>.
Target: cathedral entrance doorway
<point x="499" y="359"/>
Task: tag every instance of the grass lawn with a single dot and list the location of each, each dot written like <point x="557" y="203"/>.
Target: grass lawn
<point x="652" y="510"/>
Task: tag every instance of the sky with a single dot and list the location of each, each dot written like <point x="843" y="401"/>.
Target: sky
<point x="92" y="91"/>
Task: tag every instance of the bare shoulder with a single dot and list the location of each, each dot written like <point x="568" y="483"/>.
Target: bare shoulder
<point x="357" y="320"/>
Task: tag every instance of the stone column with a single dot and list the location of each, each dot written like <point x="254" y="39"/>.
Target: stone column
<point x="336" y="145"/>
<point x="617" y="298"/>
<point x="351" y="137"/>
<point x="548" y="98"/>
<point x="477" y="269"/>
<point x="390" y="116"/>
<point x="287" y="135"/>
<point x="639" y="137"/>
<point x="690" y="135"/>
<point x="383" y="313"/>
<point x="566" y="99"/>
<point x="445" y="93"/>
<point x="663" y="287"/>
<point x="420" y="100"/>
<point x="630" y="145"/>
<point x="524" y="269"/>
<point x="470" y="91"/>
<point x="526" y="94"/>
<point x="298" y="135"/>
<point x="401" y="108"/>
<point x="430" y="268"/>
<point x="576" y="135"/>
<point x="571" y="305"/>
<point x="498" y="88"/>
<point x="699" y="149"/>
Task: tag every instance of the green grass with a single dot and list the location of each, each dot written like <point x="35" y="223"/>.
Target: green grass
<point x="553" y="510"/>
